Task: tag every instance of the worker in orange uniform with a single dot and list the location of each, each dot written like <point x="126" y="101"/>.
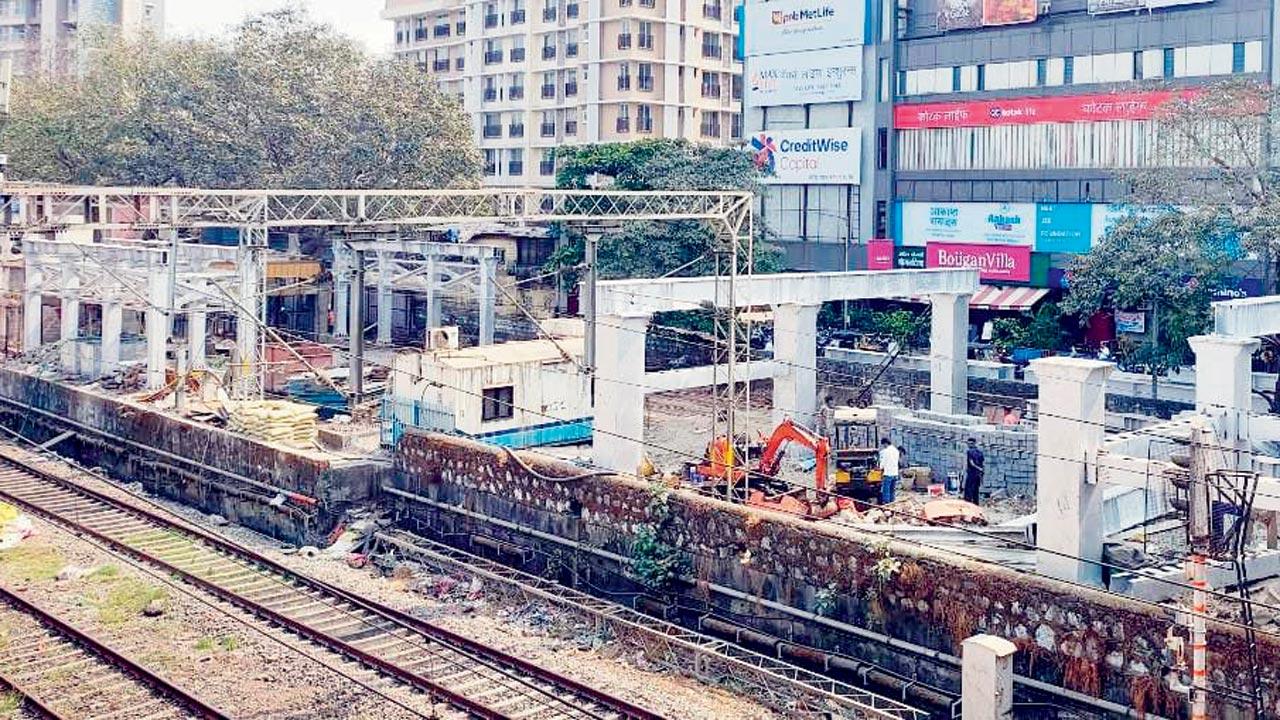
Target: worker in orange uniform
<point x="889" y="457"/>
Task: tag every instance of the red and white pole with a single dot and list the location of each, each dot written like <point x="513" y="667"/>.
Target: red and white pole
<point x="1199" y="640"/>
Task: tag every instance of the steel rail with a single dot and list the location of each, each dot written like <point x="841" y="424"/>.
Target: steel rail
<point x="484" y="656"/>
<point x="108" y="655"/>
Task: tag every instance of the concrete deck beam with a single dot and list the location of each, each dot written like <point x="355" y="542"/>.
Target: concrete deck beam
<point x="620" y="297"/>
<point x="1251" y="317"/>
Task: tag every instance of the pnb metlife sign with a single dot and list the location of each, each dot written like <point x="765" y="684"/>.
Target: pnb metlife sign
<point x="809" y="157"/>
<point x="784" y="26"/>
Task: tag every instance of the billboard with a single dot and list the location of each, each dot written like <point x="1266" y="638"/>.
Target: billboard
<point x="959" y="14"/>
<point x="1064" y="227"/>
<point x="784" y="26"/>
<point x="1103" y="7"/>
<point x="809" y="157"/>
<point x="1029" y="111"/>
<point x="973" y="223"/>
<point x="1007" y="263"/>
<point x="832" y="75"/>
<point x="880" y="254"/>
<point x="1009" y="12"/>
<point x="908" y="258"/>
<point x="1131" y="322"/>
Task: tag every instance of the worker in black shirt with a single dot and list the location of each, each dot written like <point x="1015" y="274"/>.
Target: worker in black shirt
<point x="975" y="466"/>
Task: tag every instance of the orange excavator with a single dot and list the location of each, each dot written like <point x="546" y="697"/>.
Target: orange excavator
<point x="764" y="489"/>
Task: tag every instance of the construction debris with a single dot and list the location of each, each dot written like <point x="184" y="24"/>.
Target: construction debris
<point x="276" y="421"/>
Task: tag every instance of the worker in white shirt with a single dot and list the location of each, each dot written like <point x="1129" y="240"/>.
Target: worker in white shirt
<point x="889" y="457"/>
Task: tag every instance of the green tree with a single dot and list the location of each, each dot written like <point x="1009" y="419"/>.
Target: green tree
<point x="284" y="102"/>
<point x="1168" y="265"/>
<point x="653" y="249"/>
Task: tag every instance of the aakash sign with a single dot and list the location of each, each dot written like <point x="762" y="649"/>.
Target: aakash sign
<point x="784" y="26"/>
<point x="968" y="223"/>
<point x="809" y="157"/>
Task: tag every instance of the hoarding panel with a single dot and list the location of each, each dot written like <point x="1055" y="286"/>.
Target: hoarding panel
<point x="971" y="223"/>
<point x="818" y="76"/>
<point x="809" y="157"/>
<point x="1007" y="263"/>
<point x="784" y="26"/>
<point x="959" y="14"/>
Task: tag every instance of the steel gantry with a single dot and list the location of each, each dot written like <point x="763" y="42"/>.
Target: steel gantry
<point x="53" y="212"/>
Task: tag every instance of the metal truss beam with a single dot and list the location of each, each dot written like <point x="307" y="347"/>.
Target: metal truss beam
<point x="29" y="206"/>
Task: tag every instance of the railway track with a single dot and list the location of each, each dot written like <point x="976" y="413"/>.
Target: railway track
<point x="62" y="673"/>
<point x="479" y="680"/>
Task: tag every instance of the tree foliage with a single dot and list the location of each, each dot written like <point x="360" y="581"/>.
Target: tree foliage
<point x="1169" y="265"/>
<point x="284" y="102"/>
<point x="653" y="249"/>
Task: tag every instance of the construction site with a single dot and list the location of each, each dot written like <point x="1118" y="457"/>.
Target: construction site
<point x="362" y="447"/>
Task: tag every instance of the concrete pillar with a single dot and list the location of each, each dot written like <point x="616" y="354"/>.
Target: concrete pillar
<point x="949" y="354"/>
<point x="32" y="308"/>
<point x="618" y="431"/>
<point x="341" y="304"/>
<point x="1224" y="383"/>
<point x="70" y="315"/>
<point x="433" y="300"/>
<point x="197" y="324"/>
<point x="795" y="346"/>
<point x="250" y="271"/>
<point x="986" y="680"/>
<point x="112" y="328"/>
<point x="1072" y="407"/>
<point x="157" y="325"/>
<point x="488" y="276"/>
<point x="384" y="299"/>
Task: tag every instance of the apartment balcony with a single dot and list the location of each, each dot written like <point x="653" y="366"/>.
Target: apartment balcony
<point x="548" y="92"/>
<point x="548" y="52"/>
<point x="517" y="54"/>
<point x="440" y="65"/>
<point x="441" y="31"/>
<point x="624" y="41"/>
<point x="517" y="17"/>
<point x="515" y="130"/>
<point x="515" y="92"/>
<point x="492" y="131"/>
<point x="547" y="130"/>
<point x="493" y="57"/>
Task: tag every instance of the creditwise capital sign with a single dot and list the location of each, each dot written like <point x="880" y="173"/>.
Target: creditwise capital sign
<point x="784" y="26"/>
<point x="809" y="157"/>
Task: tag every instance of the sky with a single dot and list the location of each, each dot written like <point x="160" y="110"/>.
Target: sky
<point x="358" y="18"/>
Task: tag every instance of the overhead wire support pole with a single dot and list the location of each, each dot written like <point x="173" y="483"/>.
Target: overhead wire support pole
<point x="356" y="332"/>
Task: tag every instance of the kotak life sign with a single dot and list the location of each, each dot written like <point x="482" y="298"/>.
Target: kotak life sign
<point x="809" y="157"/>
<point x="794" y="25"/>
<point x="833" y="75"/>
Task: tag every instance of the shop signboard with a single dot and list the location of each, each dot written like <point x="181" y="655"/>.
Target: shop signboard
<point x="809" y="157"/>
<point x="1100" y="107"/>
<point x="1107" y="216"/>
<point x="909" y="257"/>
<point x="880" y="254"/>
<point x="818" y="76"/>
<point x="974" y="223"/>
<point x="1009" y="12"/>
<point x="997" y="263"/>
<point x="783" y="26"/>
<point x="1063" y="227"/>
<point x="959" y="14"/>
<point x="1131" y="322"/>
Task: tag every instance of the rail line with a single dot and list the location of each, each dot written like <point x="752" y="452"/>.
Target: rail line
<point x="63" y="673"/>
<point x="477" y="679"/>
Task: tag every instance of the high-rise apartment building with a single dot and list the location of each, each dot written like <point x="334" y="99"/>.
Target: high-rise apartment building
<point x="536" y="76"/>
<point x="45" y="35"/>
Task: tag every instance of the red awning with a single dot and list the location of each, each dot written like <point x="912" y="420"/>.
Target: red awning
<point x="994" y="297"/>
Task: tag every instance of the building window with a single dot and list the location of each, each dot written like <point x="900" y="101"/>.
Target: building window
<point x="882" y="148"/>
<point x="710" y="85"/>
<point x="548" y="86"/>
<point x="549" y="10"/>
<point x="982" y="78"/>
<point x="548" y="127"/>
<point x="644" y="118"/>
<point x="882" y="80"/>
<point x="571" y="44"/>
<point x="491" y="16"/>
<point x="498" y="403"/>
<point x="1137" y="64"/>
<point x="1237" y="57"/>
<point x="624" y="76"/>
<point x="624" y="119"/>
<point x="571" y="10"/>
<point x="646" y="35"/>
<point x="902" y="83"/>
<point x="517" y="14"/>
<point x="490" y="162"/>
<point x="546" y="167"/>
<point x="735" y="126"/>
<point x="492" y="125"/>
<point x="548" y="47"/>
<point x="735" y="82"/>
<point x="515" y="161"/>
<point x="711" y="45"/>
<point x="571" y="85"/>
<point x="710" y="124"/>
<point x="517" y="53"/>
<point x="1068" y="70"/>
<point x="515" y="128"/>
<point x="645" y="76"/>
<point x="955" y="79"/>
<point x="882" y="218"/>
<point x="712" y="10"/>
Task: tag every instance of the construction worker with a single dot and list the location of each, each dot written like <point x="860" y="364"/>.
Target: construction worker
<point x="889" y="457"/>
<point x="975" y="466"/>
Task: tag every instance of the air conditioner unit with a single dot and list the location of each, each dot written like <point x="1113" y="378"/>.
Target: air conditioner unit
<point x="1044" y="7"/>
<point x="442" y="338"/>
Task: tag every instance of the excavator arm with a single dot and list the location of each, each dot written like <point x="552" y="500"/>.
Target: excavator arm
<point x="787" y="432"/>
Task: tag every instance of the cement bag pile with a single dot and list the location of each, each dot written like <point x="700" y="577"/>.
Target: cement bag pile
<point x="276" y="421"/>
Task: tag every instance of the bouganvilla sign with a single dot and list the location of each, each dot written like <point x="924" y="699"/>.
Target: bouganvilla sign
<point x="1011" y="263"/>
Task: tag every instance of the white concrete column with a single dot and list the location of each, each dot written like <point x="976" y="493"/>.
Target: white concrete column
<point x="250" y="271"/>
<point x="197" y="324"/>
<point x="70" y="315"/>
<point x="795" y="347"/>
<point x="986" y="679"/>
<point x="32" y="305"/>
<point x="433" y="299"/>
<point x="949" y="354"/>
<point x="1072" y="413"/>
<point x="618" y="431"/>
<point x="1224" y="383"/>
<point x="157" y="325"/>
<point x="112" y="328"/>
<point x="384" y="299"/>
<point x="488" y="276"/>
<point x="342" y="259"/>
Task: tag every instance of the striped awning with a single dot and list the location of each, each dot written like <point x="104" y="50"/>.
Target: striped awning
<point x="994" y="297"/>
